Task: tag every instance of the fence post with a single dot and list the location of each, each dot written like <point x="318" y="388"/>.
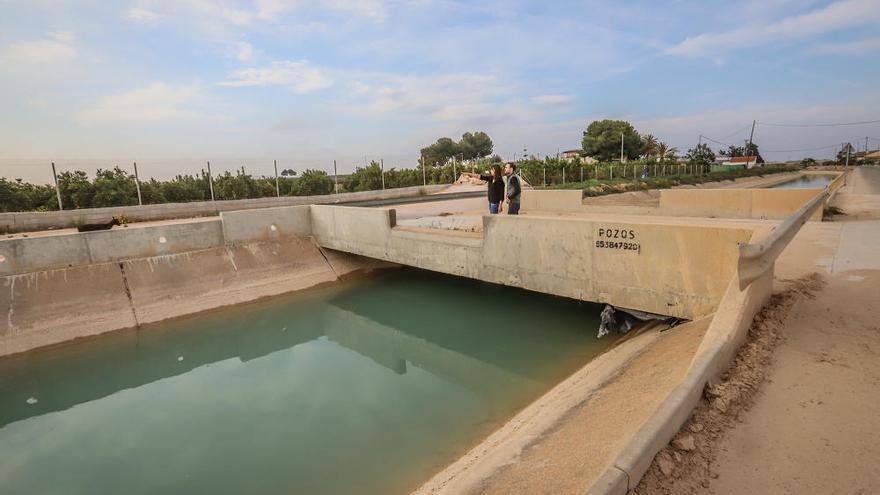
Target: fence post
<point x="611" y="172"/>
<point x="210" y="181"/>
<point x="382" y="171"/>
<point x="137" y="184"/>
<point x="335" y="178"/>
<point x="424" y="178"/>
<point x="545" y="176"/>
<point x="57" y="190"/>
<point x="277" y="187"/>
<point x="582" y="174"/>
<point x="563" y="176"/>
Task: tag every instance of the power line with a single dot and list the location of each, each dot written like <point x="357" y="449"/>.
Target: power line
<point x="716" y="141"/>
<point x="821" y="125"/>
<point x="805" y="149"/>
<point x="737" y="132"/>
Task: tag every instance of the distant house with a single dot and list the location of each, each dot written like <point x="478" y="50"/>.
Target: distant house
<point x="571" y="155"/>
<point x="747" y="161"/>
<point x="871" y="157"/>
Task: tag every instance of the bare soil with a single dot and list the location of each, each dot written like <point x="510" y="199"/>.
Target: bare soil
<point x="686" y="465"/>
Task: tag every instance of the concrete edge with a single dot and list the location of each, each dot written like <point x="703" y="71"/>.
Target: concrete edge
<point x="506" y="443"/>
<point x="719" y="348"/>
<point x="613" y="481"/>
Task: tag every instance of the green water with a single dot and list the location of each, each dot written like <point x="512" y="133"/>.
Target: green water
<point x="811" y="181"/>
<point x="364" y="387"/>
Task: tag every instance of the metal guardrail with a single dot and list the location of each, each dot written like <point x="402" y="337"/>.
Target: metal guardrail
<point x="756" y="259"/>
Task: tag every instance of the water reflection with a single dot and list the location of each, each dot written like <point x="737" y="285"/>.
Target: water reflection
<point x="366" y="387"/>
<point x="810" y="181"/>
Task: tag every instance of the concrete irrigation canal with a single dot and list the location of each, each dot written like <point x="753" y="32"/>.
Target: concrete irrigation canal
<point x="320" y="348"/>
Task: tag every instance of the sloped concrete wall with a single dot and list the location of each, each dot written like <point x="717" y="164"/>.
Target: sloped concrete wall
<point x="770" y="204"/>
<point x="268" y="224"/>
<point x="57" y="288"/>
<point x="30" y="254"/>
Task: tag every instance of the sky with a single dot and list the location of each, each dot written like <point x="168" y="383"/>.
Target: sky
<point x="173" y="84"/>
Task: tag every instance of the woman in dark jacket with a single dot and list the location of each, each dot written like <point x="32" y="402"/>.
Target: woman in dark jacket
<point x="495" y="184"/>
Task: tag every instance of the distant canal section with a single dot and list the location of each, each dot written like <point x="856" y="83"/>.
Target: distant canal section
<point x="808" y="181"/>
<point x="368" y="386"/>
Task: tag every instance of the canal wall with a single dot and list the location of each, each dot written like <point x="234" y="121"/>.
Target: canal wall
<point x="36" y="221"/>
<point x="65" y="286"/>
<point x="764" y="204"/>
<point x="664" y="268"/>
<point x="746" y="203"/>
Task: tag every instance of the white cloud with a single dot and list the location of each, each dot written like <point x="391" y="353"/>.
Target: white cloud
<point x="454" y="99"/>
<point x="833" y="17"/>
<point x="371" y="9"/>
<point x="551" y="99"/>
<point x="56" y="47"/>
<point x="853" y="47"/>
<point x="142" y="15"/>
<point x="156" y="102"/>
<point x="244" y="51"/>
<point x="298" y="75"/>
<point x="238" y="17"/>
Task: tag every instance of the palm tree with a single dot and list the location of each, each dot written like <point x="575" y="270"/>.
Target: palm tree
<point x="670" y="153"/>
<point x="662" y="148"/>
<point x="649" y="145"/>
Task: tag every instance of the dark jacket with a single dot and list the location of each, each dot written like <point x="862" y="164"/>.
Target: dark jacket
<point x="496" y="188"/>
<point x="514" y="188"/>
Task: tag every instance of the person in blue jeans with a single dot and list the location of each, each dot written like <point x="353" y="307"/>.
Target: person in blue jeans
<point x="495" y="186"/>
<point x="514" y="189"/>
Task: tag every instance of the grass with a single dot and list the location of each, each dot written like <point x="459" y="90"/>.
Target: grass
<point x="602" y="187"/>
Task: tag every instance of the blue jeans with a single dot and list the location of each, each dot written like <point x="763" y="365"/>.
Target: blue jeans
<point x="513" y="208"/>
<point x="493" y="208"/>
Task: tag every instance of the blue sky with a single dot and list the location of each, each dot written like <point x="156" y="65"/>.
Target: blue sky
<point x="171" y="84"/>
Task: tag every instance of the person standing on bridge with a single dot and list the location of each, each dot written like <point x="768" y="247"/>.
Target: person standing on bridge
<point x="495" y="184"/>
<point x="514" y="189"/>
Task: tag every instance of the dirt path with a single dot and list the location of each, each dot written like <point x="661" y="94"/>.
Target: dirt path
<point x="806" y="418"/>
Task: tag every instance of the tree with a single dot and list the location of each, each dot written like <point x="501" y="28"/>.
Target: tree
<point x="441" y="151"/>
<point x="476" y="145"/>
<point x="365" y="178"/>
<point x="807" y="162"/>
<point x="750" y="149"/>
<point x="650" y="145"/>
<point x="602" y="140"/>
<point x="701" y="155"/>
<point x="846" y="151"/>
<point x="312" y="183"/>
<point x="76" y="190"/>
<point x="113" y="188"/>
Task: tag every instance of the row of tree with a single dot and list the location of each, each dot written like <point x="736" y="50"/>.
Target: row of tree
<point x="608" y="140"/>
<point x="472" y="145"/>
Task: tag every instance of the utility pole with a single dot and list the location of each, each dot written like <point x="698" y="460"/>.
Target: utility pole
<point x="210" y="181"/>
<point x="335" y="179"/>
<point x="277" y="187"/>
<point x="137" y="184"/>
<point x="382" y="169"/>
<point x="747" y="153"/>
<point x="57" y="191"/>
